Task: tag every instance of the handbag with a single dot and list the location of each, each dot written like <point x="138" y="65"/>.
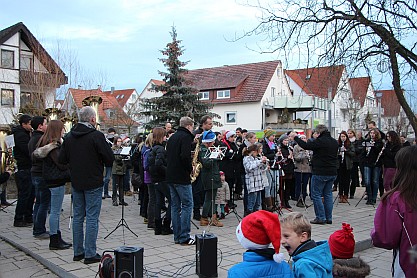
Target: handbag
<point x="136" y="180"/>
<point x="52" y="175"/>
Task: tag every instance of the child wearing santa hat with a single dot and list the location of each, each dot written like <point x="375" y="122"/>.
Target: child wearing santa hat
<point x="342" y="246"/>
<point x="256" y="232"/>
<point x="310" y="258"/>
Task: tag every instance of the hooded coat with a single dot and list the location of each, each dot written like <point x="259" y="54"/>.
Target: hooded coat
<point x="86" y="151"/>
<point x="315" y="262"/>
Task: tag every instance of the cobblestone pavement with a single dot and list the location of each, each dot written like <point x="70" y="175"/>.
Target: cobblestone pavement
<point x="163" y="258"/>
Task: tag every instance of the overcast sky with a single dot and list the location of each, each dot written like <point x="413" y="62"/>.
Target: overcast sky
<point x="118" y="42"/>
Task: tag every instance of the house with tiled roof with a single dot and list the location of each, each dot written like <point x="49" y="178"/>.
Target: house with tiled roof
<point x="393" y="117"/>
<point x="328" y="87"/>
<point x="364" y="100"/>
<point x="29" y="76"/>
<point x="127" y="99"/>
<point x="243" y="95"/>
<point x="110" y="113"/>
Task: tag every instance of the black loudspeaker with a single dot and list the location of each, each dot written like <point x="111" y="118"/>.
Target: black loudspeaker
<point x="128" y="262"/>
<point x="206" y="255"/>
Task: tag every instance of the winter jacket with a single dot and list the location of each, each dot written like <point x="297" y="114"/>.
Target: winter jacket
<point x="230" y="164"/>
<point x="258" y="266"/>
<point x="302" y="160"/>
<point x="315" y="262"/>
<point x="371" y="152"/>
<point x="86" y="151"/>
<point x="348" y="157"/>
<point x="158" y="170"/>
<point x="20" y="149"/>
<point x="324" y="161"/>
<point x="357" y="146"/>
<point x="51" y="150"/>
<point x="350" y="268"/>
<point x="388" y="155"/>
<point x="145" y="153"/>
<point x="119" y="164"/>
<point x="253" y="176"/>
<point x="210" y="171"/>
<point x="223" y="194"/>
<point x="287" y="164"/>
<point x="268" y="151"/>
<point x="391" y="216"/>
<point x="179" y="159"/>
<point x="36" y="168"/>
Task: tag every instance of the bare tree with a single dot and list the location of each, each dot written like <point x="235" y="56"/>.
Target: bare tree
<point x="364" y="35"/>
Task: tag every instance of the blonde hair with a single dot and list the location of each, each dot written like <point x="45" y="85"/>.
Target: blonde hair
<point x="149" y="140"/>
<point x="298" y="222"/>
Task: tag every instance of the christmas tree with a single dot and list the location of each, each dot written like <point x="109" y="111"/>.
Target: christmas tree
<point x="178" y="98"/>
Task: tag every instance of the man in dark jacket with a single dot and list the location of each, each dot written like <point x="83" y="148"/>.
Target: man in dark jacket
<point x="25" y="189"/>
<point x="86" y="151"/>
<point x="42" y="193"/>
<point x="179" y="168"/>
<point x="324" y="171"/>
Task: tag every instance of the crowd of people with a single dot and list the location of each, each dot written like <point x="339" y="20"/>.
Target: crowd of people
<point x="198" y="173"/>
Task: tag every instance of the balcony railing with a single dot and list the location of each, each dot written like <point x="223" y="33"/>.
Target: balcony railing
<point x="300" y="102"/>
<point x="42" y="79"/>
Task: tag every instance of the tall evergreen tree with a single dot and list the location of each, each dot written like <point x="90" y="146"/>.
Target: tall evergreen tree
<point x="179" y="98"/>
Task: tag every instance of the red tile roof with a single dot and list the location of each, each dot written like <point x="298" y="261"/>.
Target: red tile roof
<point x="359" y="87"/>
<point x="108" y="102"/>
<point x="249" y="80"/>
<point x="317" y="81"/>
<point x="157" y="82"/>
<point x="390" y="103"/>
<point x="121" y="95"/>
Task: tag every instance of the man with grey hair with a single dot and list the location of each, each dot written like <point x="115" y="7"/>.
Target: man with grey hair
<point x="179" y="168"/>
<point x="86" y="151"/>
<point x="324" y="165"/>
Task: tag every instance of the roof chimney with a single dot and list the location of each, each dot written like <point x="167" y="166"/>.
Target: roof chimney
<point x="80" y="87"/>
<point x="99" y="87"/>
<point x="112" y="90"/>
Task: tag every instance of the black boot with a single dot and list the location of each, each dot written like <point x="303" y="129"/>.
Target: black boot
<point x="158" y="226"/>
<point x="196" y="214"/>
<point x="166" y="227"/>
<point x="62" y="241"/>
<point x="56" y="244"/>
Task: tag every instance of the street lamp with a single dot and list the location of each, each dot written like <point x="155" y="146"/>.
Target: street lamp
<point x="378" y="96"/>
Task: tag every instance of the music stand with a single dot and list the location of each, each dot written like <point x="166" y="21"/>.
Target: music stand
<point x="122" y="222"/>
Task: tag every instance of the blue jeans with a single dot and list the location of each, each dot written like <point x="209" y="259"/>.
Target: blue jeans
<point x="322" y="186"/>
<point x="57" y="197"/>
<point x="86" y="204"/>
<point x="181" y="209"/>
<point x="254" y="201"/>
<point x="25" y="195"/>
<point x="40" y="211"/>
<point x="106" y="181"/>
<point x="372" y="175"/>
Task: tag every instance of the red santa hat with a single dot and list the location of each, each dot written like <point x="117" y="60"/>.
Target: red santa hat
<point x="342" y="242"/>
<point x="258" y="230"/>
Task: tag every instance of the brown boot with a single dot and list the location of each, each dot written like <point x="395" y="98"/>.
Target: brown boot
<point x="215" y="221"/>
<point x="341" y="199"/>
<point x="204" y="221"/>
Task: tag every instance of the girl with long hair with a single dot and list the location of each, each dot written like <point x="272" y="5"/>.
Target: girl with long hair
<point x="395" y="225"/>
<point x="118" y="172"/>
<point x="346" y="153"/>
<point x="392" y="146"/>
<point x="372" y="165"/>
<point x="49" y="145"/>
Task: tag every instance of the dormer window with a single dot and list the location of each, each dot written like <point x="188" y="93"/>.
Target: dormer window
<point x="26" y="62"/>
<point x="223" y="94"/>
<point x="203" y="95"/>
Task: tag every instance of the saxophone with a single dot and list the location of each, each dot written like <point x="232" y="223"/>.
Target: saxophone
<point x="195" y="163"/>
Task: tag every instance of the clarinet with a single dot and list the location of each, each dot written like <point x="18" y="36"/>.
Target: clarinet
<point x="369" y="148"/>
<point x="380" y="153"/>
<point x="343" y="152"/>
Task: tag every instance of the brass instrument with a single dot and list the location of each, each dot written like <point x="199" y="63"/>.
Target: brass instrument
<point x="94" y="102"/>
<point x="68" y="123"/>
<point x="195" y="163"/>
<point x="52" y="113"/>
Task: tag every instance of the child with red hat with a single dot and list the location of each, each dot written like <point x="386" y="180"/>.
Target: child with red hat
<point x="342" y="246"/>
<point x="255" y="233"/>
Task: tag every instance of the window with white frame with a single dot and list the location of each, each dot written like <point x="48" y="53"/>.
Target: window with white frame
<point x="7" y="97"/>
<point x="7" y="59"/>
<point x="203" y="95"/>
<point x="230" y="117"/>
<point x="223" y="94"/>
<point x="26" y="62"/>
<point x="272" y="91"/>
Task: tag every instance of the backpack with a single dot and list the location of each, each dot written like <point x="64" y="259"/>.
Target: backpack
<point x="150" y="160"/>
